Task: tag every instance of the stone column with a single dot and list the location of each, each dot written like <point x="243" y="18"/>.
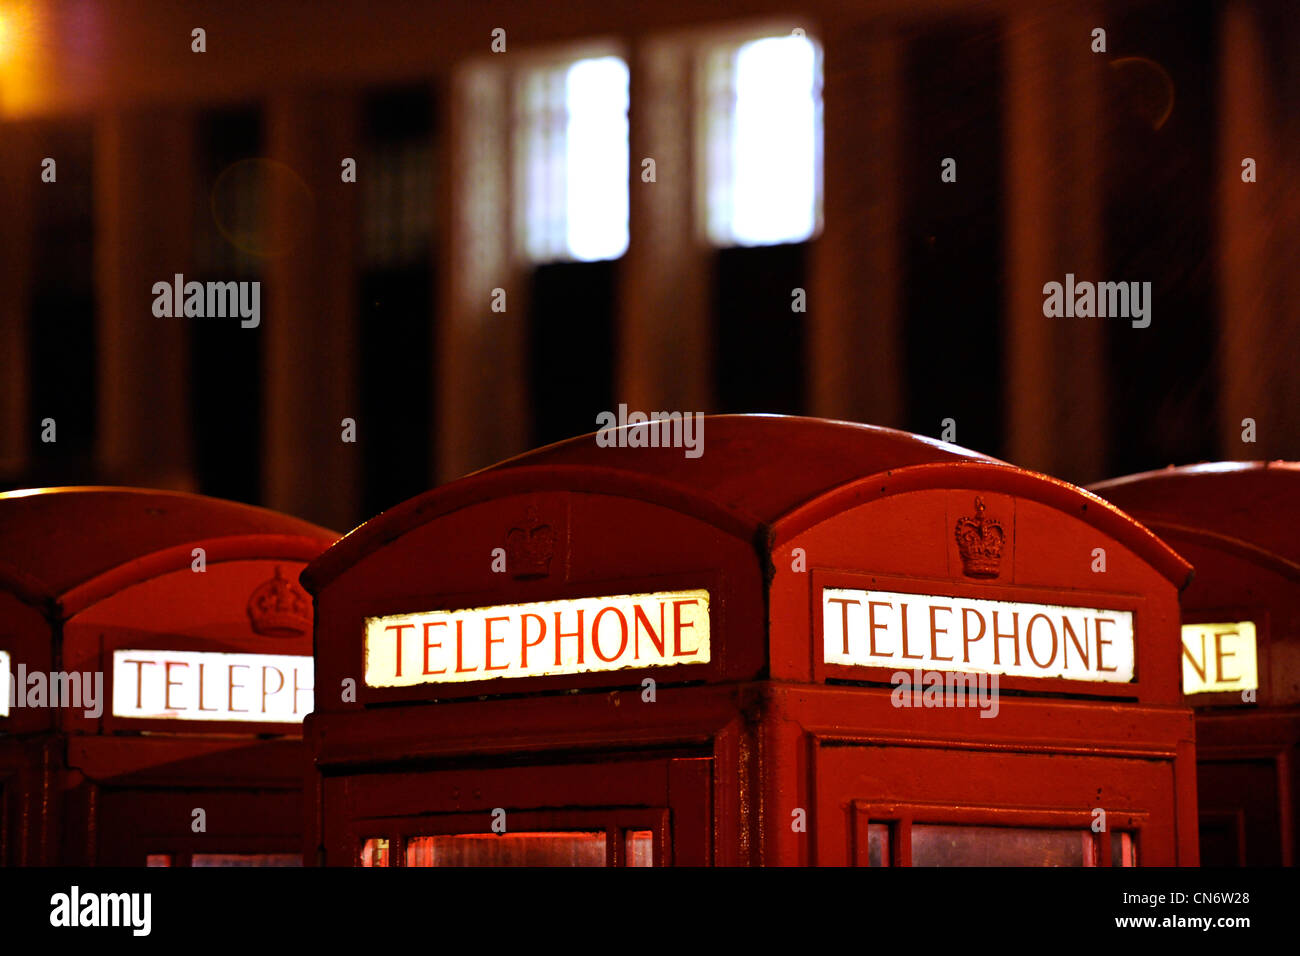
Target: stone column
<point x="1259" y="240"/>
<point x="665" y="333"/>
<point x="143" y="198"/>
<point x="19" y="178"/>
<point x="481" y="365"/>
<point x="310" y="354"/>
<point x="1055" y="381"/>
<point x="855" y="343"/>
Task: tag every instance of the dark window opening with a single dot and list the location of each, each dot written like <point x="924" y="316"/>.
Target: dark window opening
<point x="61" y="329"/>
<point x="226" y="389"/>
<point x="953" y="237"/>
<point x="397" y="176"/>
<point x="761" y="339"/>
<point x="571" y="330"/>
<point x="1159" y="228"/>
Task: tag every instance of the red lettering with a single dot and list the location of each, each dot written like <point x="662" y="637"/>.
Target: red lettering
<point x="398" y="629"/>
<point x="487" y="645"/>
<point x="935" y="631"/>
<point x="678" y="625"/>
<point x="1081" y="648"/>
<point x="139" y="681"/>
<point x="903" y="616"/>
<point x="844" y="615"/>
<point x="167" y="677"/>
<point x="1013" y="634"/>
<point x="429" y="645"/>
<point x="1029" y="640"/>
<point x="639" y="617"/>
<point x="966" y="639"/>
<point x="1100" y="642"/>
<point x="872" y="626"/>
<point x="201" y="707"/>
<point x="230" y="694"/>
<point x="524" y="643"/>
<point x="280" y="673"/>
<point x="595" y="633"/>
<point x="1219" y="655"/>
<point x="1200" y="669"/>
<point x="460" y="633"/>
<point x="561" y="634"/>
<point x="297" y="689"/>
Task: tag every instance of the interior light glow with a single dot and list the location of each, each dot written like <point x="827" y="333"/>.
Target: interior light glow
<point x="764" y="159"/>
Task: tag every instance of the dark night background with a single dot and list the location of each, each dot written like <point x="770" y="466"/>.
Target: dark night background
<point x="924" y="298"/>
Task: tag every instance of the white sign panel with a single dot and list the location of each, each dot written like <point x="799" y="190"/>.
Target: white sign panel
<point x="4" y="684"/>
<point x="200" y="685"/>
<point x="579" y="636"/>
<point x="945" y="633"/>
<point x="1219" y="657"/>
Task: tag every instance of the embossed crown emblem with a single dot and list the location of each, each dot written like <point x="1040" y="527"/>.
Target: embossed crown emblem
<point x="980" y="540"/>
<point x="530" y="547"/>
<point x="279" y="608"/>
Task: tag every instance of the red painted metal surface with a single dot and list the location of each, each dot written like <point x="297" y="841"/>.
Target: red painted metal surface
<point x="87" y="571"/>
<point x="765" y="755"/>
<point x="1239" y="525"/>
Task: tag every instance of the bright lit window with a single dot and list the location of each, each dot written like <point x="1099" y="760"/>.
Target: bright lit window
<point x="571" y="124"/>
<point x="763" y="141"/>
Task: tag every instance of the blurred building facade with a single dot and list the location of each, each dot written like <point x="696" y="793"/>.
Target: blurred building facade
<point x="412" y="301"/>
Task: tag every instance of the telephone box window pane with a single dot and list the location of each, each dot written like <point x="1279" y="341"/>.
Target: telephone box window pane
<point x="763" y="141"/>
<point x="878" y="844"/>
<point x="508" y="849"/>
<point x="158" y="859"/>
<point x="573" y="178"/>
<point x="374" y="852"/>
<point x="948" y="845"/>
<point x="1123" y="849"/>
<point x="247" y="859"/>
<point x="640" y="848"/>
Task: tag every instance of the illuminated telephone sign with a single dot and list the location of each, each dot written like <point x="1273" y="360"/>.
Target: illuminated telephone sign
<point x="945" y="633"/>
<point x="200" y="685"/>
<point x="1219" y="657"/>
<point x="4" y="684"/>
<point x="577" y="636"/>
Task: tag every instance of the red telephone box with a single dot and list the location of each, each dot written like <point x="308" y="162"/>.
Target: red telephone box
<point x="155" y="648"/>
<point x="1239" y="525"/>
<point x="797" y="642"/>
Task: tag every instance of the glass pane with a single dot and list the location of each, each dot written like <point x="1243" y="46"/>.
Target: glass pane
<point x="158" y="859"/>
<point x="246" y="859"/>
<point x="949" y="845"/>
<point x="640" y="848"/>
<point x="1123" y="849"/>
<point x="878" y="844"/>
<point x="374" y="852"/>
<point x="763" y="141"/>
<point x="573" y="179"/>
<point x="507" y="849"/>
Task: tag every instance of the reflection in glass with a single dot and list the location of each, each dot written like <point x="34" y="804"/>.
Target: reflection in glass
<point x="374" y="852"/>
<point x="507" y="849"/>
<point x="640" y="848"/>
<point x="246" y="859"/>
<point x="878" y="844"/>
<point x="954" y="845"/>
<point x="1123" y="849"/>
